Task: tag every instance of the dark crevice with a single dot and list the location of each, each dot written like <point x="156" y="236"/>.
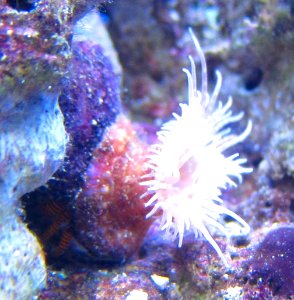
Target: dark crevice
<point x="253" y="78"/>
<point x="23" y="5"/>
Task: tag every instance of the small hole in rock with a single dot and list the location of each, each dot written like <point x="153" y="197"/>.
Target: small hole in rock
<point x="252" y="78"/>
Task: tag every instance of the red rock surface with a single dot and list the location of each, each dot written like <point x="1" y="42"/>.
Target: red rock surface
<point x="110" y="215"/>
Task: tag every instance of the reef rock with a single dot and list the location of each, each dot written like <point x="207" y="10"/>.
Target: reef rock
<point x="110" y="215"/>
<point x="34" y="52"/>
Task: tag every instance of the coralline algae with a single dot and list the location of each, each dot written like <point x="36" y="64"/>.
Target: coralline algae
<point x="88" y="109"/>
<point x="90" y="102"/>
<point x="33" y="59"/>
<point x="109" y="214"/>
<point x="99" y="181"/>
<point x="272" y="261"/>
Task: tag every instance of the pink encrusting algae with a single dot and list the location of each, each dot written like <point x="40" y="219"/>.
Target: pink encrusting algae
<point x="188" y="168"/>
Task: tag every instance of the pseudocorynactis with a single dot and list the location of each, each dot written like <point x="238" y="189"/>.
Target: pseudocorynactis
<point x="188" y="167"/>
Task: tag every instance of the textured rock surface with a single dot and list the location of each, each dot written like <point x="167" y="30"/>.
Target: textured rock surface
<point x="109" y="214"/>
<point x="34" y="51"/>
<point x="272" y="261"/>
<point x="90" y="102"/>
<point x="22" y="264"/>
<point x="32" y="143"/>
<point x="279" y="161"/>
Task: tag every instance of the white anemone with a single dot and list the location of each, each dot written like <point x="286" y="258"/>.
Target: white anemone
<point x="188" y="167"/>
